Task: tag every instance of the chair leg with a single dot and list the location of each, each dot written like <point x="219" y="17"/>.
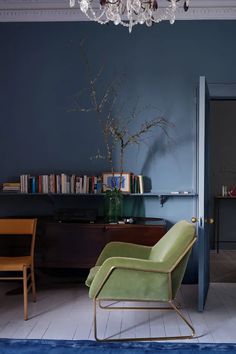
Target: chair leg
<point x="25" y="293"/>
<point x="33" y="284"/>
<point x="180" y="314"/>
<point x="172" y="307"/>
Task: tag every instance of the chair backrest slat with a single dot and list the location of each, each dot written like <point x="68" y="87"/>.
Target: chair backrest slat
<point x="20" y="227"/>
<point x="17" y="226"/>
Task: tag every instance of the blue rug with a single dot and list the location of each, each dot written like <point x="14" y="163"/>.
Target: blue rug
<point x="36" y="346"/>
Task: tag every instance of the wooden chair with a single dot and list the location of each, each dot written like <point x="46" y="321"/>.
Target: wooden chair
<point x="10" y="227"/>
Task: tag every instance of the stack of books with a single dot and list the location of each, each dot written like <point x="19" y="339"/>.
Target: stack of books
<point x="137" y="184"/>
<point x="11" y="187"/>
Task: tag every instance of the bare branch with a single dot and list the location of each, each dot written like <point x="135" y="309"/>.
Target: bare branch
<point x="110" y="94"/>
<point x="146" y="127"/>
<point x="115" y="124"/>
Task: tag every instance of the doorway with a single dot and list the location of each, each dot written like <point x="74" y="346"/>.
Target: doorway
<point x="223" y="173"/>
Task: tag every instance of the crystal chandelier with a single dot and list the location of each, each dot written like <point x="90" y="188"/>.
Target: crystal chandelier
<point x="131" y="12"/>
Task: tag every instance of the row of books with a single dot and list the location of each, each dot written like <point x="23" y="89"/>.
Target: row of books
<point x="66" y="184"/>
<point x="60" y="184"/>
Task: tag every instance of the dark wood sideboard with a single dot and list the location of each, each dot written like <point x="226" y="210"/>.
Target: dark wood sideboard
<point x="77" y="245"/>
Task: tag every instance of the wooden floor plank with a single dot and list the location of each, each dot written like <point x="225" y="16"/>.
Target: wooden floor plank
<point x="38" y="331"/>
<point x="66" y="312"/>
<point x="114" y="324"/>
<point x="128" y="323"/>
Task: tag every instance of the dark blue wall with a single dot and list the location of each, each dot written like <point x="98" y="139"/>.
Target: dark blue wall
<point x="41" y="68"/>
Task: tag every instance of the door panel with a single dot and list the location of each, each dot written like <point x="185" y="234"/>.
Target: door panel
<point x="203" y="193"/>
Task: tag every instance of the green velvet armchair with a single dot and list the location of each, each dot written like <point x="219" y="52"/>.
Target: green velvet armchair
<point x="130" y="272"/>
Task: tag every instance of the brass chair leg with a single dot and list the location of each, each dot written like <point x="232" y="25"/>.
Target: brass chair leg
<point x="173" y="307"/>
<point x="180" y="314"/>
<point x="112" y="307"/>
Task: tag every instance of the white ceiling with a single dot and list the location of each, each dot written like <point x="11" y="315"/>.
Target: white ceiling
<point x="59" y="10"/>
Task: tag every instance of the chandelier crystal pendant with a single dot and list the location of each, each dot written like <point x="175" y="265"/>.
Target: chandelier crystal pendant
<point x="129" y="13"/>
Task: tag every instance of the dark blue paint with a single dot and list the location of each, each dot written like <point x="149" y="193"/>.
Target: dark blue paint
<point x="41" y="68"/>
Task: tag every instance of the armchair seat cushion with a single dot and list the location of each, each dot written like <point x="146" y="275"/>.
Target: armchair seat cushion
<point x="93" y="271"/>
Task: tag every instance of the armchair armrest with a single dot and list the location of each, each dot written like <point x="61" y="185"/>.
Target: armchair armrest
<point x="130" y="278"/>
<point x="123" y="249"/>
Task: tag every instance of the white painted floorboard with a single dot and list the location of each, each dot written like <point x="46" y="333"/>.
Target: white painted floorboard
<point x="64" y="311"/>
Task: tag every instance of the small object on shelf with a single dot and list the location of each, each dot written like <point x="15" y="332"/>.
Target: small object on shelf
<point x="113" y="206"/>
<point x="141" y="188"/>
<point x="180" y="192"/>
<point x="129" y="221"/>
<point x="116" y="180"/>
<point x="231" y="193"/>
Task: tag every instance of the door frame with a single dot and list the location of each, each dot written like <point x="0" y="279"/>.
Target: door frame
<point x="216" y="91"/>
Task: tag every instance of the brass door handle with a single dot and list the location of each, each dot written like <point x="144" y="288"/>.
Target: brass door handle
<point x="207" y="221"/>
<point x="210" y="221"/>
<point x="194" y="220"/>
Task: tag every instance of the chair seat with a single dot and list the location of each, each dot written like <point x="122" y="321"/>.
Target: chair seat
<point x="93" y="271"/>
<point x="14" y="263"/>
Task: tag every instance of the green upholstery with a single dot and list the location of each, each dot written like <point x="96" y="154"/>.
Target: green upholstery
<point x="127" y="271"/>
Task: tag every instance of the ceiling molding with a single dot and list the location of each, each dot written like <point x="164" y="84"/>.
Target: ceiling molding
<point x="59" y="10"/>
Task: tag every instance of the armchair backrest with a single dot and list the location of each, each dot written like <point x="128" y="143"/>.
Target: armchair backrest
<point x="172" y="245"/>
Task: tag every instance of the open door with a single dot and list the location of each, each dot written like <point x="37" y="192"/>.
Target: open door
<point x="203" y="194"/>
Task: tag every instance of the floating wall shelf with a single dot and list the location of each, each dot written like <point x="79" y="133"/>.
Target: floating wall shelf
<point x="163" y="196"/>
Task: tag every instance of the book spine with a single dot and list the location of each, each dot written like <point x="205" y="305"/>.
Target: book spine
<point x="52" y="183"/>
<point x="33" y="184"/>
<point x="72" y="184"/>
<point x="85" y="184"/>
<point x="58" y="184"/>
<point x="63" y="183"/>
<point x="26" y="183"/>
<point x="95" y="184"/>
<point x="45" y="184"/>
<point x="99" y="184"/>
<point x="40" y="187"/>
<point x="140" y="180"/>
<point x="21" y="184"/>
<point x="67" y="184"/>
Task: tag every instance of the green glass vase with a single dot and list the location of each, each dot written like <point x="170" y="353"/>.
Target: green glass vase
<point x="113" y="206"/>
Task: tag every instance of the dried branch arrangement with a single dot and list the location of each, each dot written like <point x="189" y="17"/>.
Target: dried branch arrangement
<point x="116" y="126"/>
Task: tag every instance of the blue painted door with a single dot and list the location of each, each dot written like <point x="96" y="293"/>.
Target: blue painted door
<point x="203" y="194"/>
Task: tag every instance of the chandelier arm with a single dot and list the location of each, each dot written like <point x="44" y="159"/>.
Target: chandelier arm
<point x="129" y="13"/>
<point x="112" y="3"/>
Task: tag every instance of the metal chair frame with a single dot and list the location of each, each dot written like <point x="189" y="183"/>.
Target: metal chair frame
<point x="170" y="302"/>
